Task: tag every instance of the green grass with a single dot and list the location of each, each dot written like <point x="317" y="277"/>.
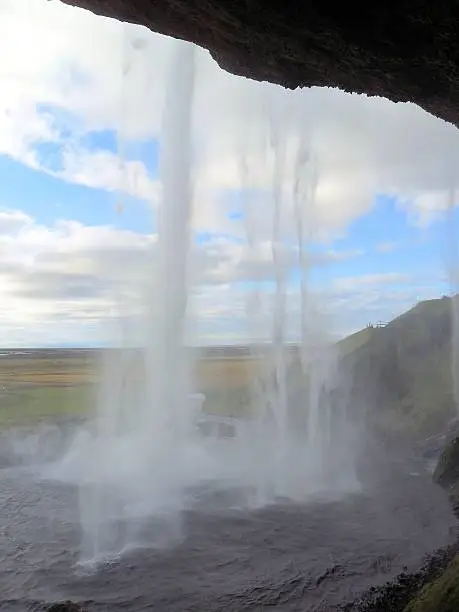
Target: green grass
<point x="354" y="341"/>
<point x="442" y="595"/>
<point x="23" y="406"/>
<point x="233" y="402"/>
<point x="406" y="367"/>
<point x="403" y="372"/>
<point x="32" y="404"/>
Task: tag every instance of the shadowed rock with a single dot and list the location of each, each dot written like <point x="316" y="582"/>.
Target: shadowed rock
<point x="403" y="50"/>
<point x="446" y="473"/>
<point x="65" y="606"/>
<point x="409" y="592"/>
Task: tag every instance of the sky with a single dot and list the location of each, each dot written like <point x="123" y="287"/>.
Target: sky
<point x="372" y="182"/>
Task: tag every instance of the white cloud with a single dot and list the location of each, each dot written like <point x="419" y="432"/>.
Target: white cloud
<point x="103" y="169"/>
<point x="101" y="74"/>
<point x="65" y="72"/>
<point x="386" y="247"/>
<point x="351" y="282"/>
<point x="58" y="278"/>
<point x="69" y="73"/>
<point x="68" y="272"/>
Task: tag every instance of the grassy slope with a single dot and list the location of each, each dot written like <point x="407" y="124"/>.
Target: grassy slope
<point x="355" y="341"/>
<point x="442" y="595"/>
<point x="407" y="368"/>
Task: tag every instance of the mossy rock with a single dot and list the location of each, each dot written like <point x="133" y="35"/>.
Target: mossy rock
<point x="446" y="473"/>
<point x="442" y="595"/>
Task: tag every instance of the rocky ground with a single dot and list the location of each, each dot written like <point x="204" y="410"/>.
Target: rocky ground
<point x="447" y="472"/>
<point x="421" y="591"/>
<point x="435" y="587"/>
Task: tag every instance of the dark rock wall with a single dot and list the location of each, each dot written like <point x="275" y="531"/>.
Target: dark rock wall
<point x="405" y="50"/>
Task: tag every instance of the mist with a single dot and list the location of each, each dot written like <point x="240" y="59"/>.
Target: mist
<point x="145" y="456"/>
<point x="271" y="400"/>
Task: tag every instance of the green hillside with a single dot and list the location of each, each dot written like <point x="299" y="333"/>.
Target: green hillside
<point x="401" y="373"/>
<point x="355" y="341"/>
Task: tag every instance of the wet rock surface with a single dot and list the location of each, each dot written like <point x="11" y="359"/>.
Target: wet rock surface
<point x="433" y="447"/>
<point x="401" y="594"/>
<point x="405" y="51"/>
<point x="434" y="587"/>
<point x="419" y="591"/>
<point x="65" y="606"/>
<point x="446" y="473"/>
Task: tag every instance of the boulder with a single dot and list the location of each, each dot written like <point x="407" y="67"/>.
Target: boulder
<point x="65" y="606"/>
<point x="446" y="473"/>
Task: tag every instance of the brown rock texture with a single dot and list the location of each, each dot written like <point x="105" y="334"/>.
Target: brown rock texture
<point x="405" y="50"/>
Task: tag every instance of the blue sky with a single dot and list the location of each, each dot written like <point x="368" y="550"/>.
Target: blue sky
<point x="47" y="198"/>
<point x="390" y="243"/>
<point x="381" y="250"/>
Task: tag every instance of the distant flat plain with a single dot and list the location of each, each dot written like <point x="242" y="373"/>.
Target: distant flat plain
<point x="39" y="384"/>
